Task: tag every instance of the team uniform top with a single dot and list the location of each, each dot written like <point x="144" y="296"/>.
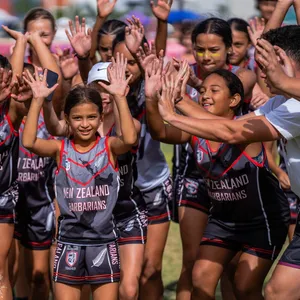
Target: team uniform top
<point x="243" y="192"/>
<point x="183" y="160"/>
<point x="152" y="167"/>
<point x="86" y="186"/>
<point x="9" y="150"/>
<point x="130" y="199"/>
<point x="35" y="173"/>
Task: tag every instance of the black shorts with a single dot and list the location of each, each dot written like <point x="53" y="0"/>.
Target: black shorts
<point x="35" y="228"/>
<point x="157" y="203"/>
<point x="291" y="255"/>
<point x="294" y="203"/>
<point x="8" y="201"/>
<point x="193" y="194"/>
<point x="78" y="265"/>
<point x="256" y="241"/>
<point x="133" y="229"/>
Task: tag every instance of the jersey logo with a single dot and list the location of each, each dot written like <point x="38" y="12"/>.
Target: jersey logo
<point x="158" y="199"/>
<point x="199" y="154"/>
<point x="191" y="186"/>
<point x="71" y="258"/>
<point x="68" y="165"/>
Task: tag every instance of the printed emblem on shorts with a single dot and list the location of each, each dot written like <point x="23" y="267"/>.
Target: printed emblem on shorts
<point x="191" y="186"/>
<point x="71" y="258"/>
<point x="129" y="225"/>
<point x="199" y="154"/>
<point x="158" y="199"/>
<point x="99" y="259"/>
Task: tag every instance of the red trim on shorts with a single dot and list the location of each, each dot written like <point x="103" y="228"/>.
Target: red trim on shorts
<point x="266" y="251"/>
<point x="132" y="238"/>
<point x="46" y="243"/>
<point x="191" y="203"/>
<point x="7" y="216"/>
<point x="85" y="277"/>
<point x="158" y="217"/>
<point x="215" y="241"/>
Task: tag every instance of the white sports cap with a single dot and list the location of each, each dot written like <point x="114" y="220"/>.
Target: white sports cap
<point x="98" y="72"/>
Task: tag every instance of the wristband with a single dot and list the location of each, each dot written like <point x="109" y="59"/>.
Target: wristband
<point x="178" y="100"/>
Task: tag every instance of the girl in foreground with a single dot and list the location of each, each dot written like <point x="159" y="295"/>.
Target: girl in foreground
<point x="87" y="183"/>
<point x="249" y="212"/>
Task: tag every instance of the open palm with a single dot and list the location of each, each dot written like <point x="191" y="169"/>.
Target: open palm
<point x="162" y="9"/>
<point x="105" y="7"/>
<point x="80" y="40"/>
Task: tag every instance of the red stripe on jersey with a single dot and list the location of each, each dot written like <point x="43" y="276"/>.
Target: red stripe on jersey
<point x="26" y="152"/>
<point x="16" y="133"/>
<point x="115" y="167"/>
<point x="88" y="163"/>
<point x="261" y="165"/>
<point x="140" y="116"/>
<point x="86" y="183"/>
<point x="59" y="165"/>
<point x="95" y="144"/>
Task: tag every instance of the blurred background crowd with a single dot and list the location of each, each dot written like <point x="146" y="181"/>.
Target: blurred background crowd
<point x="184" y="14"/>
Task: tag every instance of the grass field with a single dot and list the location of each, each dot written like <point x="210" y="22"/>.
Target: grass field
<point x="173" y="251"/>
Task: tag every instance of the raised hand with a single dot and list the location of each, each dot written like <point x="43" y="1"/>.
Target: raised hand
<point x="68" y="63"/>
<point x="145" y="56"/>
<point x="105" y="7"/>
<point x="153" y="79"/>
<point x="267" y="59"/>
<point x="162" y="9"/>
<point x="166" y="99"/>
<point x="80" y="38"/>
<point x="193" y="80"/>
<point x="255" y="29"/>
<point x="39" y="84"/>
<point x="181" y="80"/>
<point x="22" y="90"/>
<point x="134" y="34"/>
<point x="6" y="83"/>
<point x="16" y="34"/>
<point x="116" y="73"/>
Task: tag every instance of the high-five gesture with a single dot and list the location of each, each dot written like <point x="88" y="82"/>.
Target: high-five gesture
<point x="153" y="80"/>
<point x="6" y="83"/>
<point x="22" y="91"/>
<point x="105" y="7"/>
<point x="39" y="84"/>
<point x="80" y="38"/>
<point x="146" y="56"/>
<point x="255" y="29"/>
<point x="68" y="63"/>
<point x="116" y="73"/>
<point x="134" y="34"/>
<point x="162" y="9"/>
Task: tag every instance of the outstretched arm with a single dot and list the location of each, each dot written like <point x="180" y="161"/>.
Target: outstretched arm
<point x="81" y="41"/>
<point x="154" y="85"/>
<point x="117" y="88"/>
<point x="104" y="8"/>
<point x="41" y="147"/>
<point x="278" y="14"/>
<point x="161" y="11"/>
